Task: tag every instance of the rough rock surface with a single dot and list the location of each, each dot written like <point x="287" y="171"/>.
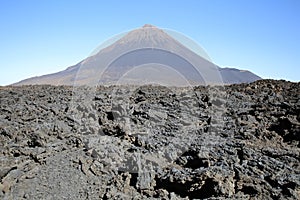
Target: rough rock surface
<point x="151" y="142"/>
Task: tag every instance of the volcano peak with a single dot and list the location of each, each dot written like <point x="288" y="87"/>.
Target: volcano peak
<point x="149" y="26"/>
<point x="145" y="46"/>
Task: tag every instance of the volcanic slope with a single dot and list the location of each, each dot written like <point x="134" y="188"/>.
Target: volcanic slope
<point x="146" y="53"/>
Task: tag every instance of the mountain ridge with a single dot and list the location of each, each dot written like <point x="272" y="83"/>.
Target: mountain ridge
<point x="139" y="47"/>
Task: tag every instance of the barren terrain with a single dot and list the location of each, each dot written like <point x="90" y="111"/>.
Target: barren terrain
<point x="150" y="142"/>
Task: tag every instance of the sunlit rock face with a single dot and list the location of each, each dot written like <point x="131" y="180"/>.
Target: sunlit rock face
<point x="151" y="142"/>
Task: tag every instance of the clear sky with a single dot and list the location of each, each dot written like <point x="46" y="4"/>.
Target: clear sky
<point x="45" y="36"/>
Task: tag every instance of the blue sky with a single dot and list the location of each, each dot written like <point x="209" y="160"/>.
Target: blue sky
<point x="41" y="37"/>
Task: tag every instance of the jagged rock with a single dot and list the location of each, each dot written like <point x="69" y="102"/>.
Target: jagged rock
<point x="152" y="142"/>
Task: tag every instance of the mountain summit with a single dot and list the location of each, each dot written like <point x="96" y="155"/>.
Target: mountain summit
<point x="149" y="26"/>
<point x="145" y="55"/>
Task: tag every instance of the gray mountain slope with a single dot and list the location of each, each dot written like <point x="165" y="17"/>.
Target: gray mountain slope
<point x="135" y="57"/>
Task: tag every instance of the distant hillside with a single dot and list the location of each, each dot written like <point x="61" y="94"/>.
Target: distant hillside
<point x="144" y="55"/>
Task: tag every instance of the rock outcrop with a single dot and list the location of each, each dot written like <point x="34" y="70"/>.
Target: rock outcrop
<point x="151" y="142"/>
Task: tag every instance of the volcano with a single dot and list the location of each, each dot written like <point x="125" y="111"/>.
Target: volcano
<point x="145" y="55"/>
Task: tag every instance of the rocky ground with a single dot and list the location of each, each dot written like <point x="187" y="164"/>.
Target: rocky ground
<point x="151" y="142"/>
